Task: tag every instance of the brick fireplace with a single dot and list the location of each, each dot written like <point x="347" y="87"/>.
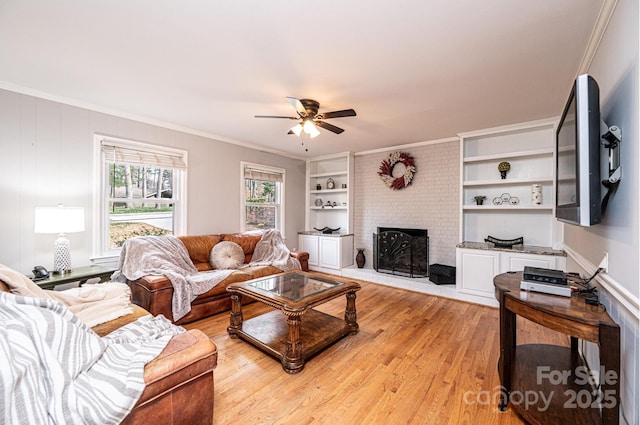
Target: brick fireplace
<point x="403" y="252"/>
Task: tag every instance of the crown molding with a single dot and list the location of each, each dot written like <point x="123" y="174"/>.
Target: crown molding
<point x="604" y="17"/>
<point x="138" y="118"/>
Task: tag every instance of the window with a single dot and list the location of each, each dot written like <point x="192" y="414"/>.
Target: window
<point x="263" y="195"/>
<point x="142" y="192"/>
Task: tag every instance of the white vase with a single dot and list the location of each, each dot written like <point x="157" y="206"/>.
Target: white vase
<point x="536" y="194"/>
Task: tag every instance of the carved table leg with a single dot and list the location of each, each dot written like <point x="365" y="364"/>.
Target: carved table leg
<point x="350" y="313"/>
<point x="293" y="361"/>
<point x="235" y="317"/>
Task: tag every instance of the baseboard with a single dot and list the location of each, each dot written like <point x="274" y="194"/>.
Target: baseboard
<point x="418" y="284"/>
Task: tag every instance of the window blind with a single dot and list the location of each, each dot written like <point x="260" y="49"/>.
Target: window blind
<point x="265" y="175"/>
<point x="119" y="154"/>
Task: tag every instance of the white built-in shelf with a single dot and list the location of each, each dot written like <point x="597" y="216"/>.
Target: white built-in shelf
<point x="508" y="182"/>
<point x="332" y="174"/>
<point x="340" y="207"/>
<point x="339" y="168"/>
<point x="329" y="191"/>
<point x="507" y="207"/>
<point x="530" y="150"/>
<point x="511" y="155"/>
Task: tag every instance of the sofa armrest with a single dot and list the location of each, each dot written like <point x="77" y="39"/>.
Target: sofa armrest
<point x="106" y="328"/>
<point x="303" y="258"/>
<point x="154" y="294"/>
<point x="179" y="383"/>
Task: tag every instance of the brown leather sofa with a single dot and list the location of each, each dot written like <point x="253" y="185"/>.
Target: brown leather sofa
<point x="179" y="382"/>
<point x="155" y="293"/>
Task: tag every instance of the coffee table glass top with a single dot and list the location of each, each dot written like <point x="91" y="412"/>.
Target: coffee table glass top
<point x="293" y="286"/>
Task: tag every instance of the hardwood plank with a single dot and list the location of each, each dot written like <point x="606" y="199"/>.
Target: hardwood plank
<point x="417" y="359"/>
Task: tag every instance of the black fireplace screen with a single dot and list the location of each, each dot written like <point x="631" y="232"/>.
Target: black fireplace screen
<point x="402" y="252"/>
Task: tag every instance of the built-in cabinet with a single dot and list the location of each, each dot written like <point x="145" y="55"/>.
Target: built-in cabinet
<point x="327" y="252"/>
<point x="502" y="165"/>
<point x="310" y="244"/>
<point x="329" y="203"/>
<point x="477" y="265"/>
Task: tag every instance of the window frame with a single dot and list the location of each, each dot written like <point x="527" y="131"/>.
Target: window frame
<point x="100" y="226"/>
<point x="280" y="205"/>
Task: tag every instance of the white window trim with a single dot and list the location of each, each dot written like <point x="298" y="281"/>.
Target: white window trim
<point x="243" y="211"/>
<point x="100" y="225"/>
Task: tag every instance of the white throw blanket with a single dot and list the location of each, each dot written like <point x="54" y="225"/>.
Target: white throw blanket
<point x="272" y="251"/>
<point x="55" y="370"/>
<point x="167" y="255"/>
<point x="92" y="303"/>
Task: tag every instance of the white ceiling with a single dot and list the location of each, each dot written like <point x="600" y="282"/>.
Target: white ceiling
<point x="414" y="70"/>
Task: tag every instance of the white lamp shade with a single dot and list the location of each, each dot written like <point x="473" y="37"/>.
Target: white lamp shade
<point x="308" y="126"/>
<point x="59" y="219"/>
<point x="313" y="132"/>
<point x="297" y="129"/>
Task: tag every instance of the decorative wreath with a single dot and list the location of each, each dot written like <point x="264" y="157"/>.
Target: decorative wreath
<point x="386" y="170"/>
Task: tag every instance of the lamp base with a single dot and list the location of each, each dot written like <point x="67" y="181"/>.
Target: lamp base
<point x="61" y="255"/>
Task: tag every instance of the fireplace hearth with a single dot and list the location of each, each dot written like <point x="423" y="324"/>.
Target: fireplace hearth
<point x="403" y="252"/>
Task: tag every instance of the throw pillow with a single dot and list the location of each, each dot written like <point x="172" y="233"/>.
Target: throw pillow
<point x="226" y="255"/>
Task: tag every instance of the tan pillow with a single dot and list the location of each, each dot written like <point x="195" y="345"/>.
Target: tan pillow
<point x="226" y="255"/>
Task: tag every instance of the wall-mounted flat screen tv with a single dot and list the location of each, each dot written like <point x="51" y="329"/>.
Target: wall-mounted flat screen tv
<point x="578" y="191"/>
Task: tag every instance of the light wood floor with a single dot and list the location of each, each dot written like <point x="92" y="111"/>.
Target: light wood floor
<point x="418" y="359"/>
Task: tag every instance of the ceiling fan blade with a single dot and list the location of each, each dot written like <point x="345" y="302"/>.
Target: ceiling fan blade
<point x="329" y="127"/>
<point x="339" y="114"/>
<point x="298" y="106"/>
<point x="276" y="116"/>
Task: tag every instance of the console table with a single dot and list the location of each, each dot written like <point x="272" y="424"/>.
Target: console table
<point x="78" y="274"/>
<point x="548" y="384"/>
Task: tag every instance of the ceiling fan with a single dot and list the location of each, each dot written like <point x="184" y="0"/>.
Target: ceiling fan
<point x="309" y="117"/>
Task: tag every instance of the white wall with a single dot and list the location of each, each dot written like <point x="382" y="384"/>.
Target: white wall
<point x="431" y="201"/>
<point x="46" y="159"/>
<point x="615" y="68"/>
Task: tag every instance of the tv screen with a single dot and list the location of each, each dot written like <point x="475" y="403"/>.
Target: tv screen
<point x="578" y="156"/>
<point x="566" y="157"/>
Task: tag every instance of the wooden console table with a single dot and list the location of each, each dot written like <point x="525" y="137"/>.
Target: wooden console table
<point x="78" y="274"/>
<point x="548" y="384"/>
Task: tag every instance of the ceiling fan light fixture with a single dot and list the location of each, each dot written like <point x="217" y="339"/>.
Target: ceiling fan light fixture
<point x="310" y="129"/>
<point x="297" y="129"/>
<point x="308" y="126"/>
<point x="309" y="119"/>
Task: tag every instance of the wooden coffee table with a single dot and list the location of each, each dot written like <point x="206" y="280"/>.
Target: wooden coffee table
<point x="294" y="332"/>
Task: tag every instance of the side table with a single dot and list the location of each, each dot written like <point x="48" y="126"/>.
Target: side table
<point x="549" y="384"/>
<point x="78" y="274"/>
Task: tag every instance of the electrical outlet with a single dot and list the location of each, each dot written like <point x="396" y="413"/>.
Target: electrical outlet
<point x="604" y="264"/>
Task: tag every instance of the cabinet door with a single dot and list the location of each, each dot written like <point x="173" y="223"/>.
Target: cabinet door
<point x="475" y="271"/>
<point x="330" y="252"/>
<point x="309" y="243"/>
<point x="516" y="262"/>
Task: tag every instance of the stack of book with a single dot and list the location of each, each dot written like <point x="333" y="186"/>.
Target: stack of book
<point x="547" y="281"/>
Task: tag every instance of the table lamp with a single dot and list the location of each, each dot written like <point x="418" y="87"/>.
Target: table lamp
<point x="60" y="220"/>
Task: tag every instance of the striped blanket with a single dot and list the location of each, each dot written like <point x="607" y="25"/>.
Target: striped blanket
<point x="55" y="370"/>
